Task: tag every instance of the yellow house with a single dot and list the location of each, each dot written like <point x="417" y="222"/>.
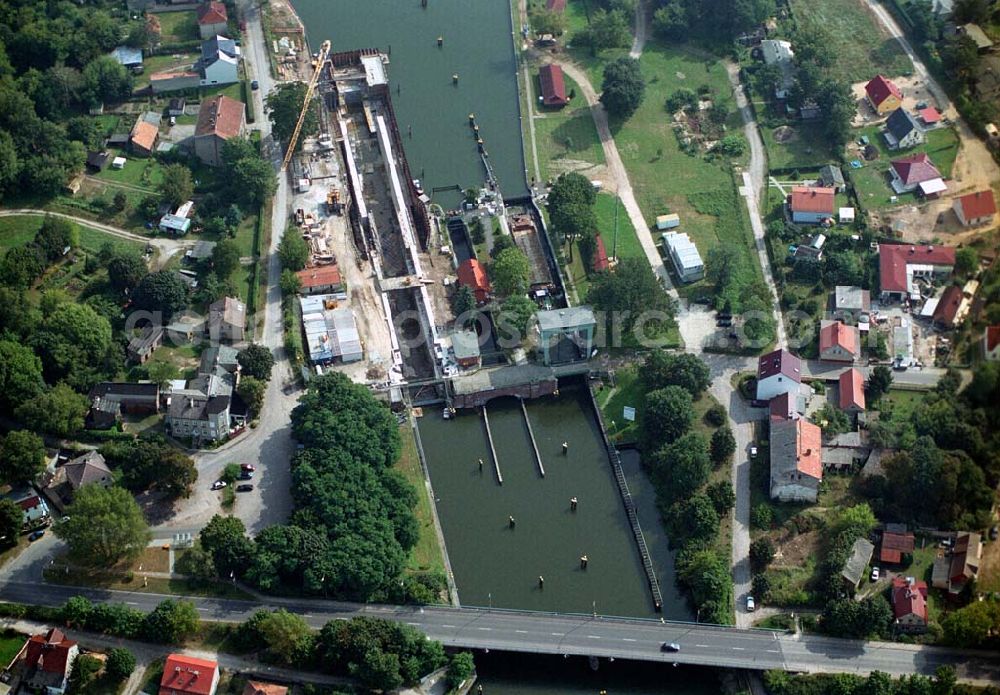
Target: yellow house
<point x="884" y="96"/>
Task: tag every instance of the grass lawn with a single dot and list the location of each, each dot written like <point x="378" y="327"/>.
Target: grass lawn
<point x="178" y="27"/>
<point x="10" y="644"/>
<point x="184" y="358"/>
<point x="788" y="584"/>
<point x="144" y="173"/>
<point x="166" y="61"/>
<point x="627" y="245"/>
<point x="426" y="555"/>
<point x="153" y="585"/>
<point x="154" y="559"/>
<point x="872" y="180"/>
<point x="20" y="229"/>
<point x="860" y="46"/>
<point x="627" y="391"/>
<point x="805" y="150"/>
<point x="567" y="139"/>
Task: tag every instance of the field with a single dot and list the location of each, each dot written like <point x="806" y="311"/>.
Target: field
<point x="627" y="245"/>
<point x="138" y="172"/>
<point x="20" y="229"/>
<point x="860" y="46"/>
<point x="567" y="139"/>
<point x="178" y="27"/>
<point x="871" y="181"/>
<point x="426" y="556"/>
<point x="806" y="149"/>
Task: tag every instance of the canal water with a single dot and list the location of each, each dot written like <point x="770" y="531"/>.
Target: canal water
<point x="478" y="46"/>
<point x="499" y="565"/>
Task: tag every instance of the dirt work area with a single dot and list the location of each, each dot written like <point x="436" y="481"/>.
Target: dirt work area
<point x="914" y="92"/>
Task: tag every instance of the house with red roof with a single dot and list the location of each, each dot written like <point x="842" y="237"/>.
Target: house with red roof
<point x="322" y="279"/>
<point x="811" y="204"/>
<point x="883" y="95"/>
<point x="991" y="344"/>
<point x="953" y="571"/>
<point x="786" y="406"/>
<point x="264" y="688"/>
<point x="796" y="460"/>
<point x="975" y="209"/>
<point x="550" y="77"/>
<point x="188" y="675"/>
<point x="600" y="261"/>
<point x="896" y="542"/>
<point x="778" y="372"/>
<point x="916" y="173"/>
<point x="852" y="391"/>
<point x="220" y="118"/>
<point x="900" y="264"/>
<point x="929" y="115"/>
<point x="212" y="19"/>
<point x="909" y="604"/>
<point x="143" y="138"/>
<point x="472" y="274"/>
<point x="838" y="342"/>
<point x="47" y="661"/>
<point x="948" y="312"/>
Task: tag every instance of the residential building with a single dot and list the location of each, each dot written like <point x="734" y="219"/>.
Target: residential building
<point x="909" y="604"/>
<point x="850" y="302"/>
<point x="978" y="36"/>
<point x="896" y="542"/>
<point x="948" y="311"/>
<point x="141" y="347"/>
<point x="787" y="406"/>
<point x="323" y="279"/>
<point x="916" y="174"/>
<point x="187" y="675"/>
<point x="811" y="204"/>
<point x="465" y="345"/>
<point x="219" y="61"/>
<point x="331" y="331"/>
<point x="198" y="416"/>
<point x="838" y="342"/>
<point x="98" y="161"/>
<point x="142" y="140"/>
<point x="227" y="319"/>
<point x="175" y="107"/>
<point x="212" y="19"/>
<point x="975" y="209"/>
<point x="830" y="176"/>
<point x="34" y="509"/>
<point x="684" y="254"/>
<point x="263" y="688"/>
<point x="954" y="570"/>
<point x="175" y="80"/>
<point x="128" y="57"/>
<point x="991" y="344"/>
<point x="883" y="95"/>
<point x="219" y="357"/>
<point x="550" y="77"/>
<point x="88" y="469"/>
<point x="846" y="451"/>
<point x="852" y="391"/>
<point x="108" y="400"/>
<point x="929" y="116"/>
<point x="472" y="274"/>
<point x="201" y="251"/>
<point x="220" y="119"/>
<point x="857" y="562"/>
<point x="900" y="264"/>
<point x="902" y="130"/>
<point x="778" y="372"/>
<point x="796" y="461"/>
<point x="48" y="661"/>
<point x="778" y="52"/>
<point x="566" y="335"/>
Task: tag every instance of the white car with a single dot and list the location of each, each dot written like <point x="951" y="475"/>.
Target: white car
<point x="875" y="574"/>
<point x="753" y="452"/>
<point x="751" y="606"/>
<point x="219" y="484"/>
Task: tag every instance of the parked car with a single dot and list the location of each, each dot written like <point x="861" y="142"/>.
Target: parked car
<point x="246" y="475"/>
<point x="875" y="574"/>
<point x="248" y="467"/>
<point x="751" y="606"/>
<point x="994" y="533"/>
<point x="244" y="488"/>
<point x="753" y="452"/>
<point x="219" y="484"/>
<point x="35" y="535"/>
<point x="255" y="85"/>
<point x="670" y="647"/>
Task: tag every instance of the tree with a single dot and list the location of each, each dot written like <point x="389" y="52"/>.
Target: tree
<point x="226" y="539"/>
<point x="577" y="222"/>
<point x="514" y="319"/>
<point x="571" y="188"/>
<point x="120" y="663"/>
<point x="461" y="666"/>
<point x="105" y="527"/>
<point x="723" y="445"/>
<point x="761" y="516"/>
<point x="605" y="30"/>
<point x="11" y="520"/>
<point x="761" y="553"/>
<point x="83" y="674"/>
<point x="252" y="390"/>
<point x="73" y="343"/>
<point x="707" y="577"/>
<point x="966" y="261"/>
<point x="682" y="369"/>
<point x="837" y="102"/>
<point x="59" y="411"/>
<point x="733" y="145"/>
<point x="171" y="621"/>
<point x="22" y="456"/>
<point x="20" y="374"/>
<point x="682" y="466"/>
<point x="971" y="11"/>
<point x="177" y="474"/>
<point x="761" y="587"/>
<point x="283" y="106"/>
<point x="510" y="271"/>
<point x="225" y="258"/>
<point x="670" y="21"/>
<point x="666" y="415"/>
<point x="253" y="180"/>
<point x="256" y="361"/>
<point x="971" y="626"/>
<point x="463" y="302"/>
<point x="293" y="250"/>
<point x="161" y="291"/>
<point x="287" y="636"/>
<point x="547" y="21"/>
<point x="879" y="382"/>
<point x="290" y="283"/>
<point x="716" y="415"/>
<point x="722" y="495"/>
<point x="636" y="307"/>
<point x="21" y="265"/>
<point x="177" y="186"/>
<point x="125" y="271"/>
<point x="106" y="80"/>
<point x="55" y="236"/>
<point x="961" y="58"/>
<point x="846" y="617"/>
<point x="197" y="565"/>
<point x="833" y="420"/>
<point x="623" y="88"/>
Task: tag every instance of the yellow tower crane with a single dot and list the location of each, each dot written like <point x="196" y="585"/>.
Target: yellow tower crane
<point x="324" y="51"/>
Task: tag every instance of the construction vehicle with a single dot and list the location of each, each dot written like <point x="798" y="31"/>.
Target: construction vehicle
<point x="324" y="51"/>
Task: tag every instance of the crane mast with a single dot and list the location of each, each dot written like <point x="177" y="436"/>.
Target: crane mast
<point x="324" y="51"/>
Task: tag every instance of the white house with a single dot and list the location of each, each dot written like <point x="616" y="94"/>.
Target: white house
<point x="902" y="130"/>
<point x="778" y="372"/>
<point x="219" y="62"/>
<point x="811" y="204"/>
<point x="975" y="209"/>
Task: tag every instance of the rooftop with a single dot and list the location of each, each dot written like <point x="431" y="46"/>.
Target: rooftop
<point x="566" y="319"/>
<point x="212" y="13"/>
<point x="779" y="362"/>
<point x="852" y="390"/>
<point x="187" y="674"/>
<point x="857" y="561"/>
<point x="915" y="169"/>
<point x="893" y="260"/>
<point x="881" y="88"/>
<point x="144" y="135"/>
<point x="220" y="115"/>
<point x="978" y="204"/>
<point x="836" y="334"/>
<point x="320" y="276"/>
<point x="812" y="199"/>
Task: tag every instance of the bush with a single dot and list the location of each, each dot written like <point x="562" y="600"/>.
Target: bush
<point x="761" y="553"/>
<point x="120" y="663"/>
<point x="761" y="517"/>
<point x="716" y="415"/>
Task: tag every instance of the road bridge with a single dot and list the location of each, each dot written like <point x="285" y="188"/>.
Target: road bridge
<point x="583" y="635"/>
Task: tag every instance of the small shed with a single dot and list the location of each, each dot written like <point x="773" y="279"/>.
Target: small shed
<point x="118" y="163"/>
<point x="670" y="221"/>
<point x="98" y="161"/>
<point x="857" y="562"/>
<point x="465" y="344"/>
<point x="845" y="215"/>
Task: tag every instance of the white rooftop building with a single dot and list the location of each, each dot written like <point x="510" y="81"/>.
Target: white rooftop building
<point x="684" y="254"/>
<point x="331" y="331"/>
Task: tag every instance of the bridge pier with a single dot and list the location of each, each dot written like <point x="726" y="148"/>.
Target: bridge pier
<point x="493" y="450"/>
<point x="531" y="436"/>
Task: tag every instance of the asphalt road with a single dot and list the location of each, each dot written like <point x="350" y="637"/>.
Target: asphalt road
<point x="551" y="633"/>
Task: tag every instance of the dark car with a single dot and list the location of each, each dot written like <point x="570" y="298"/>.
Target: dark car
<point x="244" y="488"/>
<point x="670" y="647"/>
<point x="246" y="475"/>
<point x="255" y="85"/>
<point x="994" y="533"/>
<point x="35" y="535"/>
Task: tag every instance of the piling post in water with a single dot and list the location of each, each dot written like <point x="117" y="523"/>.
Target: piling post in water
<point x="565" y="448"/>
<point x="440" y="41"/>
<point x="531" y="436"/>
<point x="572" y="504"/>
<point x="489" y="438"/>
<point x="510" y="521"/>
<point x="583" y="562"/>
<point x="541" y="582"/>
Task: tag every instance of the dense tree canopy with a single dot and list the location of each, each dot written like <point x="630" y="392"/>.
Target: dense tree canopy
<point x="637" y="310"/>
<point x="256" y="361"/>
<point x="510" y="272"/>
<point x="74" y="343"/>
<point x="105" y="527"/>
<point x="162" y="291"/>
<point x="22" y="456"/>
<point x="623" y="87"/>
<point x="682" y="369"/>
<point x="20" y="374"/>
<point x="283" y="105"/>
<point x="59" y="411"/>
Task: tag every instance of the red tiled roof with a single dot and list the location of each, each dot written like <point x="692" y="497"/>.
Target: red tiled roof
<point x="262" y="688"/>
<point x="220" y="115"/>
<point x="881" y="88"/>
<point x="471" y="274"/>
<point x="909" y="599"/>
<point x="600" y="254"/>
<point x="893" y="259"/>
<point x="992" y="337"/>
<point x="916" y="169"/>
<point x="812" y="199"/>
<point x="144" y="135"/>
<point x="780" y="407"/>
<point x="978" y="204"/>
<point x="553" y="86"/>
<point x="320" y="276"/>
<point x="838" y="334"/>
<point x="779" y="362"/>
<point x="212" y="13"/>
<point x="555" y="5"/>
<point x="852" y="390"/>
<point x="947" y="307"/>
<point x="808" y="452"/>
<point x="49" y="652"/>
<point x="894" y="545"/>
<point x="187" y="674"/>
<point x="930" y="115"/>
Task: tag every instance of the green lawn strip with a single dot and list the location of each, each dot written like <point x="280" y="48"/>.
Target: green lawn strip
<point x="10" y="644"/>
<point x="164" y="63"/>
<point x="21" y="229"/>
<point x="861" y="48"/>
<point x="426" y="555"/>
<point x="806" y="149"/>
<point x="627" y="245"/>
<point x="177" y="27"/>
<point x="133" y="581"/>
<point x="612" y="400"/>
<point x="566" y="139"/>
<point x="788" y="584"/>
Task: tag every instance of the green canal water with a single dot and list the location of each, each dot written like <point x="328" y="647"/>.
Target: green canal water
<point x="478" y="45"/>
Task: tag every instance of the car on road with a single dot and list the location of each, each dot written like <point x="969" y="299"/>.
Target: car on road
<point x="35" y="535"/>
<point x="670" y="647"/>
<point x="751" y="606"/>
<point x="255" y="85"/>
<point x="219" y="484"/>
<point x="244" y="488"/>
<point x="875" y="574"/>
<point x="753" y="452"/>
